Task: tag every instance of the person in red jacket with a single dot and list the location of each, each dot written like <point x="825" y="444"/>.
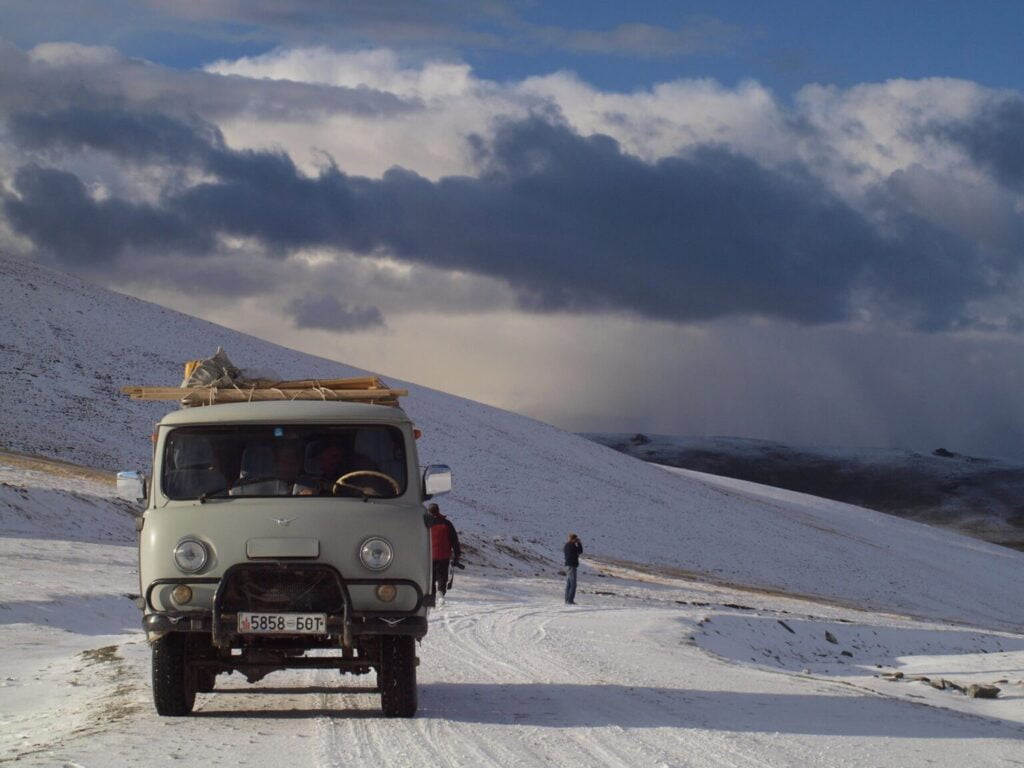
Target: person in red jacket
<point x="444" y="549"/>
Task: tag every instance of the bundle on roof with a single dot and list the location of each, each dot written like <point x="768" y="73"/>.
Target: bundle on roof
<point x="216" y="380"/>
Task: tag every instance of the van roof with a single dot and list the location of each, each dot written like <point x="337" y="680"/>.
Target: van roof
<point x="290" y="412"/>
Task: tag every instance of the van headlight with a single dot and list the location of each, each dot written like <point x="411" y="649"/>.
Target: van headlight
<point x="376" y="553"/>
<point x="191" y="555"/>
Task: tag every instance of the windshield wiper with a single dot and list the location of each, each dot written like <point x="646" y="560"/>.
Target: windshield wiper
<point x="245" y="481"/>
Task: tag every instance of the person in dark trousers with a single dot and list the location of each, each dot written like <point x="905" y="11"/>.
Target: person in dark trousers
<point x="573" y="549"/>
<point x="444" y="549"/>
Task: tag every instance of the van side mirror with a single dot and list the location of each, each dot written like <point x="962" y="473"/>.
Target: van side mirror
<point x="437" y="479"/>
<point x="132" y="486"/>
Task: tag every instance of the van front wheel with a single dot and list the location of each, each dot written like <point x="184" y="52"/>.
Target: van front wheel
<point x="396" y="676"/>
<point x="174" y="680"/>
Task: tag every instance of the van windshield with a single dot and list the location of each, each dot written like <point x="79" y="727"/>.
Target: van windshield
<point x="219" y="461"/>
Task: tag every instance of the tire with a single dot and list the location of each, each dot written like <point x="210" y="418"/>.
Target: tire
<point x="199" y="647"/>
<point x="174" y="680"/>
<point x="205" y="680"/>
<point x="397" y="676"/>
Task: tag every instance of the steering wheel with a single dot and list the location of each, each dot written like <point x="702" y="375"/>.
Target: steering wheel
<point x="344" y="481"/>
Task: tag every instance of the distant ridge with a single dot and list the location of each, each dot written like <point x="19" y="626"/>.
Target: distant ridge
<point x="976" y="496"/>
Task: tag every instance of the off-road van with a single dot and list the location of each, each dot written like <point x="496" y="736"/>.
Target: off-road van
<point x="286" y="535"/>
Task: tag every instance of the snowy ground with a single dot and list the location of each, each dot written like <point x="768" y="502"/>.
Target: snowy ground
<point x="648" y="670"/>
<point x="676" y="655"/>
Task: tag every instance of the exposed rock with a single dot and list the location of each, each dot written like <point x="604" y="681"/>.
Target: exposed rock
<point x="846" y="653"/>
<point x="831" y="638"/>
<point x="786" y="626"/>
<point x="983" y="692"/>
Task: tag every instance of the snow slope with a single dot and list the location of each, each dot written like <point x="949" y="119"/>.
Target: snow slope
<point x="671" y="661"/>
<point x="68" y="346"/>
<point x="977" y="496"/>
<point x="646" y="671"/>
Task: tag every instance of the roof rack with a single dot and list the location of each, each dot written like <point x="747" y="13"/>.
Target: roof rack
<point x="216" y="379"/>
<point x="364" y="389"/>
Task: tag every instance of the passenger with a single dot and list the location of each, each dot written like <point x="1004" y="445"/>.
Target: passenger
<point x="322" y="472"/>
<point x="277" y="479"/>
<point x="288" y="464"/>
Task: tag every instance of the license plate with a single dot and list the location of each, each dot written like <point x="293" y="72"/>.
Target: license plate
<point x="282" y="623"/>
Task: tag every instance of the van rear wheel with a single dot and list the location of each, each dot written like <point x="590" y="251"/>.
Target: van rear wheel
<point x="396" y="676"/>
<point x="174" y="680"/>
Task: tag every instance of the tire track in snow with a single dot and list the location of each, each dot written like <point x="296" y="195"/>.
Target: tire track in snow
<point x="515" y="640"/>
<point x="547" y="646"/>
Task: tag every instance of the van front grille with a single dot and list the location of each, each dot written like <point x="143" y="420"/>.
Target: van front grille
<point x="282" y="588"/>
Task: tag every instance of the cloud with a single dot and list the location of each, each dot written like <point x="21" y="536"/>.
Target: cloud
<point x="572" y="213"/>
<point x="56" y="211"/>
<point x="702" y="36"/>
<point x="134" y="136"/>
<point x="685" y="202"/>
<point x="424" y="23"/>
<point x="570" y="222"/>
<point x="356" y="22"/>
<point x="993" y="138"/>
<point x="57" y="76"/>
<point x="329" y="314"/>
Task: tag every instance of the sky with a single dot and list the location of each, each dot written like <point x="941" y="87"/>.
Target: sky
<point x="792" y="221"/>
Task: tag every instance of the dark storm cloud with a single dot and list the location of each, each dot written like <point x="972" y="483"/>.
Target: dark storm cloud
<point x="56" y="211"/>
<point x="136" y="136"/>
<point x="569" y="222"/>
<point x="329" y="314"/>
<point x="98" y="78"/>
<point x="994" y="138"/>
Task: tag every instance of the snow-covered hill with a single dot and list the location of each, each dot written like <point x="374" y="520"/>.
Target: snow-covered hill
<point x="694" y="642"/>
<point x="68" y="346"/>
<point x="977" y="496"/>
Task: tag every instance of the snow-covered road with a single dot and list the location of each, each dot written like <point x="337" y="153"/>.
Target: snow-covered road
<point x="651" y="669"/>
<point x="509" y="677"/>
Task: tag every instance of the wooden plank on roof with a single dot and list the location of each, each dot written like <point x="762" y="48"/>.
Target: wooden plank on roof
<point x="353" y="382"/>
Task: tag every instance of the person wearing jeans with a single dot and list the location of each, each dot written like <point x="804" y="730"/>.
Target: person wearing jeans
<point x="573" y="549"/>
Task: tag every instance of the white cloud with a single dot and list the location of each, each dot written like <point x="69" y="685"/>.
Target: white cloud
<point x="431" y="141"/>
<point x="661" y="121"/>
<point x="650" y="123"/>
<point x="379" y="68"/>
<point x="866" y="133"/>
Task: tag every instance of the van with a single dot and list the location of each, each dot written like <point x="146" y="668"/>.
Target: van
<point x="286" y="535"/>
